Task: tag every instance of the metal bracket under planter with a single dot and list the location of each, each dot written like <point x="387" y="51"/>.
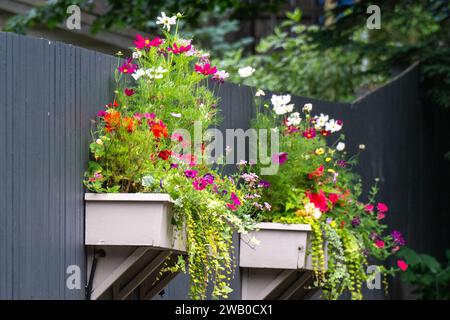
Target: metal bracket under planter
<point x="135" y="235"/>
<point x="278" y="267"/>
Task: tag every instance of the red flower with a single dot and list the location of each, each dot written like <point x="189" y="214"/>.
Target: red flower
<point x="232" y="207"/>
<point x="319" y="200"/>
<point x="333" y="197"/>
<point x="316" y="173"/>
<point x="129" y="92"/>
<point x="205" y="69"/>
<point x="112" y="120"/>
<point x="177" y="50"/>
<point x="309" y="133"/>
<point x="402" y="265"/>
<point x="379" y="243"/>
<point x="325" y="133"/>
<point x="142" y="42"/>
<point x="382" y="207"/>
<point x="165" y="154"/>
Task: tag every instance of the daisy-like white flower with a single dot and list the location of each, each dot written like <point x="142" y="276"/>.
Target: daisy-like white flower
<point x="138" y="73"/>
<point x="137" y="54"/>
<point x="155" y="73"/>
<point x="280" y="100"/>
<point x="293" y="119"/>
<point x="246" y="71"/>
<point x="307" y="108"/>
<point x="166" y="21"/>
<point x="340" y="146"/>
<point x="333" y="125"/>
<point x="260" y="93"/>
<point x="283" y="109"/>
<point x="321" y="121"/>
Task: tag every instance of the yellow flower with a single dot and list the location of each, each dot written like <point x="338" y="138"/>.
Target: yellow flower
<point x="328" y="159"/>
<point x="331" y="171"/>
<point x="333" y="224"/>
<point x="320" y="151"/>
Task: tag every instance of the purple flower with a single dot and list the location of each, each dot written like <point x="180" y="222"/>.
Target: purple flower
<point x="280" y="158"/>
<point x="209" y="178"/>
<point x="224" y="192"/>
<point x="190" y="173"/>
<point x="356" y="221"/>
<point x="341" y="163"/>
<point x="398" y="238"/>
<point x="264" y="184"/>
<point x="174" y="165"/>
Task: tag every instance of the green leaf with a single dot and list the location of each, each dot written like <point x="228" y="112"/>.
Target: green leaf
<point x="410" y="256"/>
<point x="431" y="263"/>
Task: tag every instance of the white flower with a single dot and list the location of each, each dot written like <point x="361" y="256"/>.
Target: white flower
<point x="166" y="21"/>
<point x="254" y="241"/>
<point x="281" y="100"/>
<point x="340" y="146"/>
<point x="221" y="75"/>
<point x="293" y="119"/>
<point x="317" y="214"/>
<point x="311" y="210"/>
<point x="307" y="108"/>
<point x="155" y="73"/>
<point x="138" y="73"/>
<point x="137" y="54"/>
<point x="99" y="141"/>
<point x="280" y="110"/>
<point x="333" y="125"/>
<point x="246" y="71"/>
<point x="362" y="146"/>
<point x="260" y="93"/>
<point x="176" y="115"/>
<point x="321" y="121"/>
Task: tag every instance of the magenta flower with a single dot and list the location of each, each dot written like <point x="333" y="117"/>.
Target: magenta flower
<point x="205" y="69"/>
<point x="129" y="92"/>
<point x="179" y="49"/>
<point x="280" y="158"/>
<point x="402" y="265"/>
<point x="101" y="113"/>
<point x="191" y="173"/>
<point x="382" y="207"/>
<point x="174" y="165"/>
<point x="368" y="208"/>
<point x="309" y="133"/>
<point x="199" y="184"/>
<point x="235" y="199"/>
<point x="142" y="42"/>
<point x="128" y="66"/>
<point x="231" y="207"/>
<point x="379" y="243"/>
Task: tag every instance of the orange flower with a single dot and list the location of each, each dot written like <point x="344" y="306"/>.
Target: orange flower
<point x="159" y="129"/>
<point x="128" y="123"/>
<point x="112" y="120"/>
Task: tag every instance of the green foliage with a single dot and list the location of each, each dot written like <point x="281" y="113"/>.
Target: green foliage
<point x="315" y="185"/>
<point x="430" y="278"/>
<point x="142" y="143"/>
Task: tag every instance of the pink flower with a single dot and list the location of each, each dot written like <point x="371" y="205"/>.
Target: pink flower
<point x="402" y="265"/>
<point x="333" y="197"/>
<point x="205" y="69"/>
<point x="280" y="158"/>
<point x="368" y="208"/>
<point x="101" y="113"/>
<point x="380" y="215"/>
<point x="309" y="133"/>
<point x="379" y="243"/>
<point x="235" y="199"/>
<point x="177" y="50"/>
<point x="231" y="207"/>
<point x="190" y="173"/>
<point x="128" y="67"/>
<point x="142" y="42"/>
<point x="199" y="184"/>
<point x="382" y="207"/>
<point x="129" y="92"/>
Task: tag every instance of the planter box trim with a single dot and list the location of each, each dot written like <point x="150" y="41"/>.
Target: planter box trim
<point x="283" y="226"/>
<point x="160" y="197"/>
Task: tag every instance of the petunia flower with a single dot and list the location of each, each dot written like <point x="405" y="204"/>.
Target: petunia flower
<point x="166" y="21"/>
<point x="209" y="178"/>
<point x="235" y="199"/>
<point x="205" y="69"/>
<point x="199" y="184"/>
<point x="398" y="238"/>
<point x="319" y="200"/>
<point x="190" y="173"/>
<point x="382" y="207"/>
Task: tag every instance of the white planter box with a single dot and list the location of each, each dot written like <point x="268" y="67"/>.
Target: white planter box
<point x="135" y="219"/>
<point x="279" y="267"/>
<point x="135" y="235"/>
